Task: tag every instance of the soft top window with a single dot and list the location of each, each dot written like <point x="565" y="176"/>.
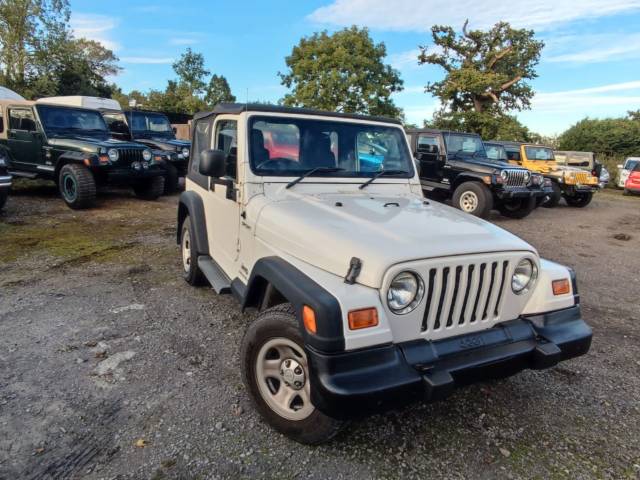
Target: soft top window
<point x="150" y="123"/>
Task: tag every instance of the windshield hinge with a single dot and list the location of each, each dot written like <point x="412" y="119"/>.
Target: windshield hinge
<point x="355" y="265"/>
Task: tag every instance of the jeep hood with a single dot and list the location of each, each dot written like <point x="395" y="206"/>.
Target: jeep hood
<point x="163" y="143"/>
<point x="327" y="230"/>
<point x="88" y="143"/>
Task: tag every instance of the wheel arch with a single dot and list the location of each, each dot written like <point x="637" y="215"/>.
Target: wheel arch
<point x="191" y="205"/>
<point x="293" y="286"/>
<point x="65" y="159"/>
<point x="469" y="177"/>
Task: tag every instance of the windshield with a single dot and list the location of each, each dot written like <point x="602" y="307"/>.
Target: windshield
<point x="117" y="122"/>
<point x="631" y="164"/>
<point x="496" y="152"/>
<point x="464" y="145"/>
<point x="539" y="153"/>
<point x="293" y="146"/>
<point x="150" y="123"/>
<point x="577" y="159"/>
<point x="58" y="120"/>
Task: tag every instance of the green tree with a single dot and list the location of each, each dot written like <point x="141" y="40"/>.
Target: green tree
<point x="609" y="136"/>
<point x="342" y="72"/>
<point x="28" y="30"/>
<point x="218" y="91"/>
<point x="191" y="72"/>
<point x="486" y="124"/>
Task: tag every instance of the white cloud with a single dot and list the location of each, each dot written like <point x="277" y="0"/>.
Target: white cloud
<point x="95" y="27"/>
<point x="596" y="48"/>
<point x="403" y="60"/>
<point x="587" y="101"/>
<point x="420" y="15"/>
<point x="183" y="41"/>
<point x="148" y="60"/>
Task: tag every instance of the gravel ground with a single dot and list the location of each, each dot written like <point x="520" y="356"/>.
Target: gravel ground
<point x="112" y="367"/>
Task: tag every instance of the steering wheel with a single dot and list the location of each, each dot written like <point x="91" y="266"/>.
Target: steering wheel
<point x="277" y="163"/>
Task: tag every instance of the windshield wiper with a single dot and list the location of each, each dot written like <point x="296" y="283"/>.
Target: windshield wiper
<point x="311" y="172"/>
<point x="382" y="174"/>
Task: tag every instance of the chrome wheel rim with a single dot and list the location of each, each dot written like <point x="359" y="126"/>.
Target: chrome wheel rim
<point x="186" y="250"/>
<point x="69" y="188"/>
<point x="282" y="375"/>
<point x="469" y="201"/>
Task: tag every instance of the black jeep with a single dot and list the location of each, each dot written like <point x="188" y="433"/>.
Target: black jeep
<point x="5" y="178"/>
<point x="154" y="130"/>
<point x="455" y="165"/>
<point x="73" y="147"/>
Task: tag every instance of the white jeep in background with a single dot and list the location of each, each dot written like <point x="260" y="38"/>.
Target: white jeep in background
<point x="369" y="295"/>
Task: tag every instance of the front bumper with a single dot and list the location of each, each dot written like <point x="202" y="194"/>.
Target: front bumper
<point x="355" y="383"/>
<point x="520" y="192"/>
<point x="128" y="175"/>
<point x="5" y="181"/>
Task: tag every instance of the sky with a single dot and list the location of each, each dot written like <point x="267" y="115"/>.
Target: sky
<point x="590" y="65"/>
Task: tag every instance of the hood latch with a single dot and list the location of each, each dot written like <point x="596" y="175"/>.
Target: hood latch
<point x="355" y="265"/>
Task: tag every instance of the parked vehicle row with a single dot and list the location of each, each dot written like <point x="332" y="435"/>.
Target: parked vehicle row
<point x="69" y="141"/>
<point x="369" y="295"/>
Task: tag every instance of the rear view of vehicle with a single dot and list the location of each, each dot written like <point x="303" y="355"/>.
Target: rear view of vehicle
<point x="625" y="169"/>
<point x="632" y="183"/>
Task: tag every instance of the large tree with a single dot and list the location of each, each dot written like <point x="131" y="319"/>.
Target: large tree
<point x="609" y="136"/>
<point x="343" y="72"/>
<point x="486" y="124"/>
<point x="191" y="72"/>
<point x="218" y="91"/>
<point x="485" y="70"/>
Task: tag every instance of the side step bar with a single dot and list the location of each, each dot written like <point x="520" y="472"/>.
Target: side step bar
<point x="217" y="278"/>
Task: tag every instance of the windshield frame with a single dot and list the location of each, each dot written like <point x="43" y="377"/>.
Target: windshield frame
<point x="53" y="131"/>
<point x="129" y="116"/>
<point x="342" y="174"/>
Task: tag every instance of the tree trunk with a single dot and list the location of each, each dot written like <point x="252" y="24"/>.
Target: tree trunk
<point x="477" y="105"/>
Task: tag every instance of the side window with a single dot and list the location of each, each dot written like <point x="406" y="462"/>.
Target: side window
<point x="226" y="140"/>
<point x="22" y="119"/>
<point x="201" y="142"/>
<point x="428" y="144"/>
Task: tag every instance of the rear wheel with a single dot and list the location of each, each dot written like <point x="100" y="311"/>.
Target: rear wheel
<point x="518" y="208"/>
<point x="77" y="186"/>
<point x="473" y="198"/>
<point x="171" y="179"/>
<point x="149" y="189"/>
<point x="579" y="200"/>
<point x="554" y="198"/>
<point x="275" y="371"/>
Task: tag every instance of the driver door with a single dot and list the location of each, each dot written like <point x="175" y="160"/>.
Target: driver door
<point x="222" y="203"/>
<point x="24" y="139"/>
<point x="428" y="154"/>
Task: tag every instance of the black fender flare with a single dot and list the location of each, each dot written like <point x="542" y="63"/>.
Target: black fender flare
<point x="299" y="290"/>
<point x="470" y="177"/>
<point x="69" y="157"/>
<point x="191" y="204"/>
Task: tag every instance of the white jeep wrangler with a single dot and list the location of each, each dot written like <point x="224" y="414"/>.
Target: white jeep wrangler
<point x="369" y="295"/>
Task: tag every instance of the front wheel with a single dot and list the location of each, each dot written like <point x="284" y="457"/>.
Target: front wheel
<point x="579" y="200"/>
<point x="518" y="208"/>
<point x="275" y="371"/>
<point x="554" y="198"/>
<point x="149" y="189"/>
<point x="473" y="198"/>
<point x="171" y="180"/>
<point x="191" y="272"/>
<point x="77" y="186"/>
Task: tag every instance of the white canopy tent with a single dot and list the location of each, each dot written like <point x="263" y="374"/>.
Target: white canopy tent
<point x="7" y="94"/>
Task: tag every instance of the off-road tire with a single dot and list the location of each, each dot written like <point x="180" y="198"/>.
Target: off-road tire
<point x="280" y="322"/>
<point x="626" y="192"/>
<point x="480" y="194"/>
<point x="518" y="208"/>
<point x="171" y="179"/>
<point x="191" y="272"/>
<point x="77" y="186"/>
<point x="4" y="194"/>
<point x="554" y="198"/>
<point x="579" y="200"/>
<point x="149" y="189"/>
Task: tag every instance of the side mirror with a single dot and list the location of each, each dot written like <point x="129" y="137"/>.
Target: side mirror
<point x="212" y="163"/>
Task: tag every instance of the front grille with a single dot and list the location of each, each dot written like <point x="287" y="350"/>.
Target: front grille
<point x="583" y="177"/>
<point x="128" y="155"/>
<point x="516" y="178"/>
<point x="460" y="295"/>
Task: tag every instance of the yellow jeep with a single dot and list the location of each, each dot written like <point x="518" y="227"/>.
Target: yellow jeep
<point x="577" y="186"/>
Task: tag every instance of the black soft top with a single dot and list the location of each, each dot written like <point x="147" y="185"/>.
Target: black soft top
<point x="437" y="131"/>
<point x="236" y="108"/>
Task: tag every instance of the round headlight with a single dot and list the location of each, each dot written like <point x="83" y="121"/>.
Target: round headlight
<point x="527" y="176"/>
<point x="146" y="155"/>
<point x="524" y="276"/>
<point x="405" y="292"/>
<point x="504" y="175"/>
<point x="185" y="152"/>
<point x="113" y="154"/>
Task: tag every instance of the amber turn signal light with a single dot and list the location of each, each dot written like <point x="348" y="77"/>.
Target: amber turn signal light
<point x="309" y="319"/>
<point x="561" y="287"/>
<point x="363" y="318"/>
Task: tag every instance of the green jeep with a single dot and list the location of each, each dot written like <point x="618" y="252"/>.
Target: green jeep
<point x="73" y="147"/>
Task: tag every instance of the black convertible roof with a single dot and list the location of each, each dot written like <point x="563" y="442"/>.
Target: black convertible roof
<point x="235" y="108"/>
